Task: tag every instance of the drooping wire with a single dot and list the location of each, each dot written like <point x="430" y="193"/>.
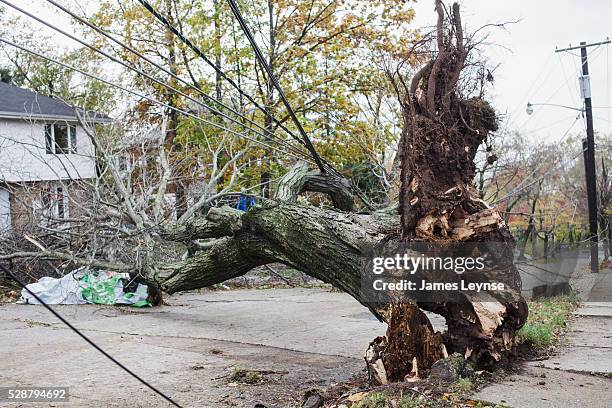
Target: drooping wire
<point x="302" y="155"/>
<point x="217" y="69"/>
<point x="165" y="70"/>
<point x="565" y="81"/>
<point x="186" y="41"/>
<point x="87" y="339"/>
<point x="114" y="59"/>
<point x="548" y="172"/>
<point x="576" y="93"/>
<point x="512" y="117"/>
<point x="272" y="78"/>
<point x="140" y="72"/>
<point x="322" y="163"/>
<point x="520" y="186"/>
<point x="548" y="125"/>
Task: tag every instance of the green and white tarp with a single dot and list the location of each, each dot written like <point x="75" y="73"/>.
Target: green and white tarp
<point x="85" y="285"/>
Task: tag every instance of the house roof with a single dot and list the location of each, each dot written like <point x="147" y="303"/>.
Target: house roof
<point x="19" y="103"/>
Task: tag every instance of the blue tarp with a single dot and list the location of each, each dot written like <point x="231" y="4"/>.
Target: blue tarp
<point x="245" y="202"/>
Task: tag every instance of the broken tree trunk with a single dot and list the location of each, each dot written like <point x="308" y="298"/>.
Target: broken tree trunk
<point x="438" y="205"/>
<point x="336" y="247"/>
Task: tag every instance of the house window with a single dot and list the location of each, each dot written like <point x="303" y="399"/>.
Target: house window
<point x="60" y="138"/>
<point x="59" y="203"/>
<point x="54" y="203"/>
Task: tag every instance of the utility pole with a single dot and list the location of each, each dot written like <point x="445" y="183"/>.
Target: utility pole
<point x="589" y="154"/>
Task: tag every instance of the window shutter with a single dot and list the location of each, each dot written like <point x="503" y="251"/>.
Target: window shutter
<point x="49" y="138"/>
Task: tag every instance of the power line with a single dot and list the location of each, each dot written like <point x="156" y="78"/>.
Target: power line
<point x="272" y="78"/>
<point x="566" y="80"/>
<point x="187" y="113"/>
<point x="518" y="188"/>
<point x="114" y="59"/>
<point x="169" y="87"/>
<point x="512" y="117"/>
<point x="554" y="168"/>
<point x="576" y="91"/>
<point x="323" y="164"/>
<point x="548" y="125"/>
<point x="87" y="339"/>
<point x="186" y="41"/>
<point x="217" y="69"/>
<point x="101" y="52"/>
<point x="155" y="101"/>
<point x="173" y="75"/>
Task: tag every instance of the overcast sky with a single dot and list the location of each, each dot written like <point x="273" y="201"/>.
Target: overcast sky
<point x="530" y="70"/>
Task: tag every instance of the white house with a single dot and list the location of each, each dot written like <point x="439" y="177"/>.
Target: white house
<point x="43" y="152"/>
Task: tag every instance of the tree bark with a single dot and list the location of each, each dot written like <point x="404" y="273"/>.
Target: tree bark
<point x="438" y="205"/>
<point x="336" y="247"/>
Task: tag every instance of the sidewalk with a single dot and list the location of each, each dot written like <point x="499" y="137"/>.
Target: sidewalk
<point x="579" y="375"/>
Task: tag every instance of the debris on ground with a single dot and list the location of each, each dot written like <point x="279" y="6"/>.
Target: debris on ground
<point x="272" y="276"/>
<point x="242" y="376"/>
<point x="451" y="369"/>
<point x="361" y="392"/>
<point x="8" y="294"/>
<point x="313" y="399"/>
<point x="85" y="285"/>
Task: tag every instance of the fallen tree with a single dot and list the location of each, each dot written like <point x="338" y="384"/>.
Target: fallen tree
<point x="336" y="247"/>
<point x="438" y="204"/>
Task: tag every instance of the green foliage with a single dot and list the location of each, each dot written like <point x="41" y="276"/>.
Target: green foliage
<point x="326" y="56"/>
<point x="414" y="402"/>
<point x="384" y="400"/>
<point x="375" y="400"/>
<point x="463" y="385"/>
<point x="243" y="376"/>
<point x="547" y="318"/>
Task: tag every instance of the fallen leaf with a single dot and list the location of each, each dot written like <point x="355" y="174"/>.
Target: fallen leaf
<point x="357" y="396"/>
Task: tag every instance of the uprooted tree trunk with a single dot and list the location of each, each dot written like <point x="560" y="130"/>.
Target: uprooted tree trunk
<point x="336" y="247"/>
<point x="438" y="203"/>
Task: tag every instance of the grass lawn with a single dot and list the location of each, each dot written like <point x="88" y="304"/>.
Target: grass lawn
<point x="547" y="319"/>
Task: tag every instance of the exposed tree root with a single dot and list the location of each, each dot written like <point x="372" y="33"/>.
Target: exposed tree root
<point x="438" y="203"/>
<point x="336" y="247"/>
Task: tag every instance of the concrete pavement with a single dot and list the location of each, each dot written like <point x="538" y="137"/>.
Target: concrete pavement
<point x="579" y="375"/>
<point x="301" y="338"/>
